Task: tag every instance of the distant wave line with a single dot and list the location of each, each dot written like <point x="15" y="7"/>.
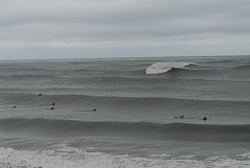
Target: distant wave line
<point x="147" y="130"/>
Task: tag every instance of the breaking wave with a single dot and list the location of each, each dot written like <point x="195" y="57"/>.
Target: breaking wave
<point x="66" y="157"/>
<point x="162" y="67"/>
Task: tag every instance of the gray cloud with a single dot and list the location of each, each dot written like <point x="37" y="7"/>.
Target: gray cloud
<point x="125" y="24"/>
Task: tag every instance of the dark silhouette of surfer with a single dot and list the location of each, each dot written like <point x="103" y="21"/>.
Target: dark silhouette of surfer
<point x="90" y="110"/>
<point x="53" y="104"/>
<point x="52" y="108"/>
<point x="205" y="118"/>
<point x="40" y="94"/>
<point x="14" y="106"/>
<point x="180" y="117"/>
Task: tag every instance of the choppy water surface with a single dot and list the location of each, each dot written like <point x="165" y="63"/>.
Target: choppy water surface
<point x="125" y="112"/>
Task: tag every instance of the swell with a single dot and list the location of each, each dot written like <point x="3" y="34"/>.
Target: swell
<point x="175" y="78"/>
<point x="183" y="70"/>
<point x="219" y="61"/>
<point x="27" y="77"/>
<point x="113" y="102"/>
<point x="138" y="130"/>
<point x="242" y="67"/>
<point x="86" y="75"/>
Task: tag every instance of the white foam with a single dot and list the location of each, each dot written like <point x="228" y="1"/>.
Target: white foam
<point x="67" y="157"/>
<point x="162" y="67"/>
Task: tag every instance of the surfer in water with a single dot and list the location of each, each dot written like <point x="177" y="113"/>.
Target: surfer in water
<point x="53" y="104"/>
<point x="40" y="94"/>
<point x="52" y="108"/>
<point x="180" y="117"/>
<point x="205" y="118"/>
<point x="90" y="110"/>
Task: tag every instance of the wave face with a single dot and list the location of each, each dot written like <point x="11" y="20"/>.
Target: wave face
<point x="162" y="67"/>
<point x="139" y="130"/>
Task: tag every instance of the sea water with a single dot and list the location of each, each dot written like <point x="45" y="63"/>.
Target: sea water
<point x="125" y="112"/>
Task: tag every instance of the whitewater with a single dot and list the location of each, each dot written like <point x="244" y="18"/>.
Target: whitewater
<point x="162" y="67"/>
<point x="125" y="112"/>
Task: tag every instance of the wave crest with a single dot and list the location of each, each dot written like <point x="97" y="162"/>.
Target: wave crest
<point x="146" y="130"/>
<point x="162" y="67"/>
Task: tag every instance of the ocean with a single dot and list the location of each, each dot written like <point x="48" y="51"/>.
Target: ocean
<point x="125" y="112"/>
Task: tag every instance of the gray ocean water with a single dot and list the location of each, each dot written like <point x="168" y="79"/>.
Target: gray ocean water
<point x="125" y="112"/>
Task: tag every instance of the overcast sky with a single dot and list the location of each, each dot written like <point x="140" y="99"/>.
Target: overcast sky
<point x="42" y="29"/>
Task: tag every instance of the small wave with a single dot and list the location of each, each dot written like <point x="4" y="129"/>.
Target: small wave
<point x="137" y="130"/>
<point x="243" y="67"/>
<point x="28" y="77"/>
<point x="162" y="67"/>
